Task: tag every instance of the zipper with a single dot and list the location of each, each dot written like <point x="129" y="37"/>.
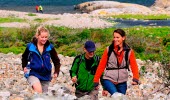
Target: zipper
<point x="40" y="57"/>
<point x="117" y="65"/>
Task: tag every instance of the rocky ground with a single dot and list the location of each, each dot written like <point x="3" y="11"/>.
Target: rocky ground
<point x="13" y="86"/>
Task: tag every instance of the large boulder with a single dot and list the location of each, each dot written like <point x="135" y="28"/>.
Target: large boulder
<point x="161" y="6"/>
<point x="111" y="7"/>
<point x="162" y="3"/>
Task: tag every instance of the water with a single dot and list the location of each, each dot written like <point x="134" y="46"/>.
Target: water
<point x="131" y="23"/>
<point x="49" y="6"/>
<point x="67" y="6"/>
<point x="55" y="6"/>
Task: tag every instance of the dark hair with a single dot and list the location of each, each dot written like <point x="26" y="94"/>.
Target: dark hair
<point x="120" y="31"/>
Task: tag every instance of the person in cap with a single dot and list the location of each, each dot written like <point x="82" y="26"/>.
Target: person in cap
<point x="83" y="70"/>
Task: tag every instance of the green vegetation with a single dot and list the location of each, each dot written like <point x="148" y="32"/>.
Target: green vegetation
<point x="40" y="20"/>
<point x="31" y="14"/>
<point x="11" y="19"/>
<point x="144" y="17"/>
<point x="147" y="42"/>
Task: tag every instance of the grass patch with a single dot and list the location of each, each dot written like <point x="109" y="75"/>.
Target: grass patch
<point x="15" y="50"/>
<point x="11" y="19"/>
<point x="144" y="17"/>
<point x="31" y="14"/>
<point x="40" y="20"/>
<point x="57" y="19"/>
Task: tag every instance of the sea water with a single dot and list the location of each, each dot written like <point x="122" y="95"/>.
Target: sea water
<point x="55" y="6"/>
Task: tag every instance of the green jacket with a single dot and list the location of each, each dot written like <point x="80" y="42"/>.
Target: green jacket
<point x="84" y="76"/>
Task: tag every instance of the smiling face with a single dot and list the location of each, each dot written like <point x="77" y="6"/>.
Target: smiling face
<point x="42" y="35"/>
<point x="118" y="39"/>
<point x="42" y="38"/>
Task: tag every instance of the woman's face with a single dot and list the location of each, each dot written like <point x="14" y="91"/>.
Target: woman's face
<point x="42" y="38"/>
<point x="118" y="39"/>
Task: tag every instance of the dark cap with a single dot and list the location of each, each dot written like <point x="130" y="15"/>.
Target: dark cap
<point x="90" y="46"/>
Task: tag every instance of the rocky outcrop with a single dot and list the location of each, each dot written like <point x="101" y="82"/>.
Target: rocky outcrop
<point x="162" y="3"/>
<point x="161" y="6"/>
<point x="113" y="6"/>
<point x="14" y="86"/>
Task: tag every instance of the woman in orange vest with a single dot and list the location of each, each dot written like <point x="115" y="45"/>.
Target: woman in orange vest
<point x="114" y="65"/>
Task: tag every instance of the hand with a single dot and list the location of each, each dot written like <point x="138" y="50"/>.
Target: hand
<point x="55" y="75"/>
<point x="96" y="86"/>
<point x="104" y="93"/>
<point x="74" y="79"/>
<point x="135" y="83"/>
<point x="25" y="69"/>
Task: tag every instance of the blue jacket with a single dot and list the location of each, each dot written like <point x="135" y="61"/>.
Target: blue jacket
<point x="40" y="63"/>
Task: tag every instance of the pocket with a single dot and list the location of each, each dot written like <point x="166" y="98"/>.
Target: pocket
<point x="123" y="74"/>
<point x="47" y="58"/>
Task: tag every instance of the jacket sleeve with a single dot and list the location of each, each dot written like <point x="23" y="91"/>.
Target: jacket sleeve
<point x="134" y="66"/>
<point x="24" y="58"/>
<point x="101" y="67"/>
<point x="56" y="60"/>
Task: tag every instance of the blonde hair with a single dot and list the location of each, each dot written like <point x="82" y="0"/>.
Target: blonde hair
<point x="41" y="29"/>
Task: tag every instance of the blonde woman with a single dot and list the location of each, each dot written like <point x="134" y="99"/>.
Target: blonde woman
<point x="38" y="53"/>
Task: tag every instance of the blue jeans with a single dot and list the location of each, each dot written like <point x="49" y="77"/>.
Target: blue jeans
<point x="112" y="88"/>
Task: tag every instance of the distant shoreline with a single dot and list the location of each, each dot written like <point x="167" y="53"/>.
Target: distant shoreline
<point x="47" y="9"/>
<point x="68" y="20"/>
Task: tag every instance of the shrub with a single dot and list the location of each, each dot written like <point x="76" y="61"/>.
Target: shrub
<point x="85" y="34"/>
<point x="11" y="19"/>
<point x="31" y="14"/>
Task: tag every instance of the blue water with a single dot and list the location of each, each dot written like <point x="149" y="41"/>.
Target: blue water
<point x="55" y="6"/>
<point x="131" y="23"/>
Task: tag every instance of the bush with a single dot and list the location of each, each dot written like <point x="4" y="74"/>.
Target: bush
<point x="146" y="42"/>
<point x="85" y="34"/>
<point x="31" y="14"/>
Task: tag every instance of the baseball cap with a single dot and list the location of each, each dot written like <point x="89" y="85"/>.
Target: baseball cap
<point x="90" y="46"/>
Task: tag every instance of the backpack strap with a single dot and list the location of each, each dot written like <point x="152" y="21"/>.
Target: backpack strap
<point x="126" y="59"/>
<point x="78" y="63"/>
<point x="97" y="59"/>
<point x="110" y="50"/>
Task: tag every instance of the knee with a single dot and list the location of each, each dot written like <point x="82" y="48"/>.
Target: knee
<point x="37" y="88"/>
